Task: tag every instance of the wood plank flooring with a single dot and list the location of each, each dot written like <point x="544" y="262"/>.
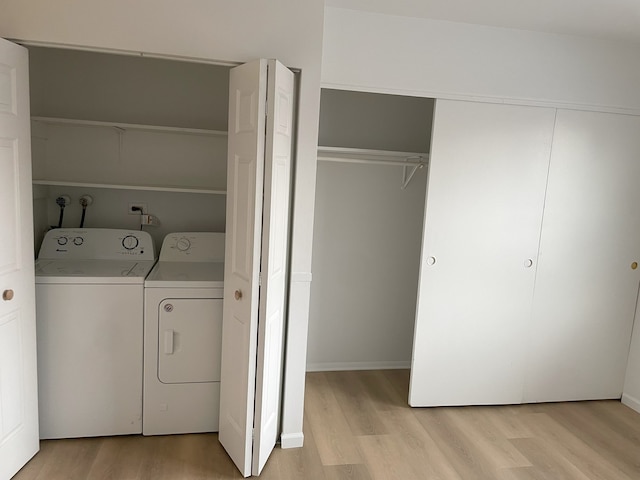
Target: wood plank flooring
<point x="358" y="426"/>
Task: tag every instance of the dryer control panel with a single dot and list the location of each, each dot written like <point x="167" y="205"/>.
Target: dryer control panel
<point x="97" y="244"/>
<point x="193" y="247"/>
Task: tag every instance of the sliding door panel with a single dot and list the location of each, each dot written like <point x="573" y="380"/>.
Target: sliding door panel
<point x="587" y="281"/>
<point x="487" y="180"/>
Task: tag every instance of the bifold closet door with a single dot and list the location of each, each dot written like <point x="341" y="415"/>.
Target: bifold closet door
<point x="587" y="281"/>
<point x="18" y="366"/>
<point x="485" y="197"/>
<point x="260" y="155"/>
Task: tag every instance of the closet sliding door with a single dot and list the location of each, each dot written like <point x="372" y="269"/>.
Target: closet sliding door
<point x="485" y="198"/>
<point x="587" y="282"/>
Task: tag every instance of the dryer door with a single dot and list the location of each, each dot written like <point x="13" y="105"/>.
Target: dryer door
<point x="189" y="340"/>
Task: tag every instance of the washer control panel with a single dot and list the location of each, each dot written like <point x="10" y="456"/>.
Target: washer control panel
<point x="97" y="244"/>
<point x="130" y="242"/>
<point x="193" y="247"/>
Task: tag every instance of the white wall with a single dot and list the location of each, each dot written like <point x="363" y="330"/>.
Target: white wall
<point x="366" y="256"/>
<point x="225" y="30"/>
<point x="368" y="51"/>
<point x="631" y="391"/>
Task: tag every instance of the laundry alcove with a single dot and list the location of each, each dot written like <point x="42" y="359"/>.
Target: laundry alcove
<point x="128" y="129"/>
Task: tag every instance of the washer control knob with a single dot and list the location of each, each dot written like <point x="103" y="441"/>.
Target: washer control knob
<point x="183" y="244"/>
<point x="130" y="242"/>
<point x="62" y="240"/>
<point x="78" y="241"/>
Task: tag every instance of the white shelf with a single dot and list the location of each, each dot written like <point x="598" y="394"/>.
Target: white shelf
<point x="131" y="187"/>
<point x="129" y="126"/>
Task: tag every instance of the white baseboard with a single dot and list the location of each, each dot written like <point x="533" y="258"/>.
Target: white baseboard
<point x="291" y="440"/>
<point x="341" y="366"/>
<point x="631" y="402"/>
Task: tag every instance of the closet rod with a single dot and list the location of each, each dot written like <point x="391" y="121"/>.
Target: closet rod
<point x="361" y="155"/>
<point x="407" y="163"/>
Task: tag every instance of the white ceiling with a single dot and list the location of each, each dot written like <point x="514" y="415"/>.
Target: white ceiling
<point x="608" y="19"/>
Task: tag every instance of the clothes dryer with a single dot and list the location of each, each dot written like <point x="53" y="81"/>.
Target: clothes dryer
<point x="89" y="320"/>
<point x="183" y="335"/>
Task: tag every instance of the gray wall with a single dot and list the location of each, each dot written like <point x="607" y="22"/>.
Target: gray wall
<point x="366" y="120"/>
<point x="175" y="211"/>
<point x="127" y="89"/>
<point x="367" y="234"/>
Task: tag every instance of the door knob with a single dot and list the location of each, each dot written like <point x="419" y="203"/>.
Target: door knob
<point x="634" y="265"/>
<point x="238" y="294"/>
<point x="7" y="295"/>
<point x="528" y="263"/>
<point x="431" y="261"/>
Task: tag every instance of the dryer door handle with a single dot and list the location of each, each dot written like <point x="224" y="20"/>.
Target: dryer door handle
<point x="168" y="342"/>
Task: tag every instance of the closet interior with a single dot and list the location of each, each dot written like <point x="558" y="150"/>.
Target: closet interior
<point x="371" y="181"/>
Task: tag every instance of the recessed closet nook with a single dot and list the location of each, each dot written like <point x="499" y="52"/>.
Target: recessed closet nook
<point x="128" y="130"/>
<point x="367" y="231"/>
<point x="518" y="280"/>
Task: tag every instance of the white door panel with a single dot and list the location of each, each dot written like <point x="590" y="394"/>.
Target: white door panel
<point x="257" y="232"/>
<point x="586" y="290"/>
<point x="274" y="264"/>
<point x="487" y="177"/>
<point x="245" y="171"/>
<point x="18" y="382"/>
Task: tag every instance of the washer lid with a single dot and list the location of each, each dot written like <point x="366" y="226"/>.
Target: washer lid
<point x="92" y="271"/>
<point x="187" y="275"/>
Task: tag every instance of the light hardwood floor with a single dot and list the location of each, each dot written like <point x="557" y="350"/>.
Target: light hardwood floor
<point x="358" y="426"/>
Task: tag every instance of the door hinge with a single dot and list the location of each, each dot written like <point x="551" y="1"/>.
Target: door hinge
<point x="253" y="433"/>
<point x="260" y="279"/>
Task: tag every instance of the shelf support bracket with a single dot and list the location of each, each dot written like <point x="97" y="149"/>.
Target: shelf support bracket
<point x="412" y="169"/>
<point x="120" y="132"/>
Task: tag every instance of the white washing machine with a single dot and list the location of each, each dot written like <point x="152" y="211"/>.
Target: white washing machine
<point x="183" y="335"/>
<point x="89" y="318"/>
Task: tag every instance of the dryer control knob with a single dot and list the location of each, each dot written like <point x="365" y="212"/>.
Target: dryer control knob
<point x="62" y="240"/>
<point x="183" y="244"/>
